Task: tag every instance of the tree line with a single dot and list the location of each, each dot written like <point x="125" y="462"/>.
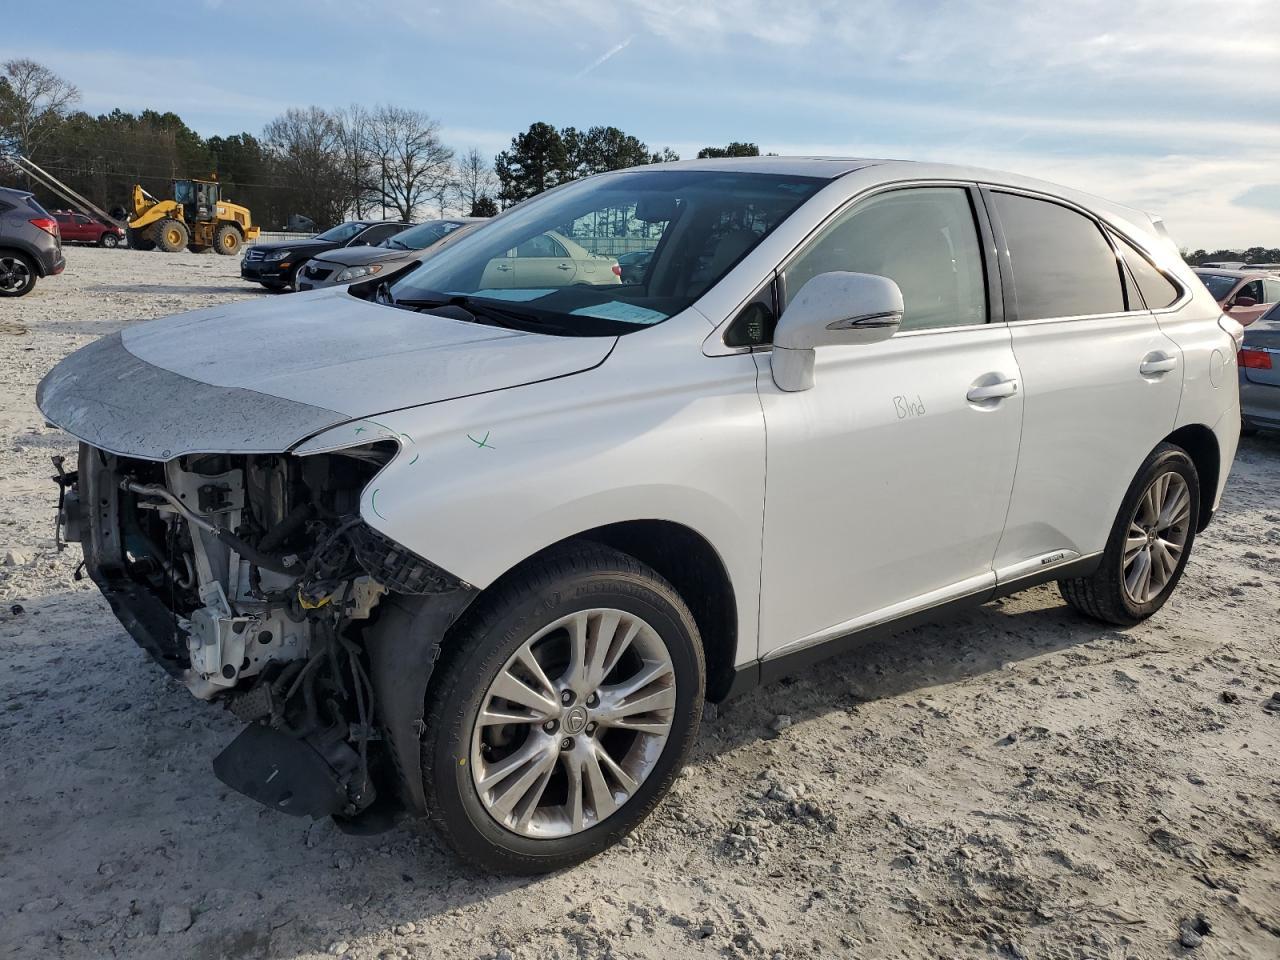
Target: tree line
<point x="322" y="164"/>
<point x="1251" y="255"/>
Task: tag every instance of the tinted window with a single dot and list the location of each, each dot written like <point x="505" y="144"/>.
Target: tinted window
<point x="1062" y="263"/>
<point x="1218" y="284"/>
<point x="342" y="232"/>
<point x="923" y="239"/>
<point x="377" y="234"/>
<point x="1157" y="289"/>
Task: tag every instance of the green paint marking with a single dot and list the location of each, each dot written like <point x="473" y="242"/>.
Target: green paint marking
<point x="482" y="444"/>
<point x="414" y="460"/>
<point x="373" y="503"/>
<point x="359" y="430"/>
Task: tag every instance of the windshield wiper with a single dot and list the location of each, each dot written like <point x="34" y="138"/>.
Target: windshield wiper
<point x="483" y="312"/>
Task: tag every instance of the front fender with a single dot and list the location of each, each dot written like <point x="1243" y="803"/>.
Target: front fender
<point x="481" y="483"/>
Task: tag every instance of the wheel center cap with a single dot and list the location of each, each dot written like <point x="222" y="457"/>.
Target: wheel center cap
<point x="575" y="720"/>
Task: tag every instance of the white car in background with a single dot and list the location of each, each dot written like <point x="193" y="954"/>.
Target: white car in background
<point x="478" y="546"/>
<point x="549" y="259"/>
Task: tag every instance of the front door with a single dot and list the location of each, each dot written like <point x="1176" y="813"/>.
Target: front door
<point x="541" y="262"/>
<point x="1102" y="382"/>
<point x="888" y="481"/>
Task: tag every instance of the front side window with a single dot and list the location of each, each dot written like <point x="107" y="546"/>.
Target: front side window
<point x="1063" y="265"/>
<point x="1252" y="289"/>
<point x="924" y="239"/>
<point x="552" y="264"/>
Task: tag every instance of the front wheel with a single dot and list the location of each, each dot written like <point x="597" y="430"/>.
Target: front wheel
<point x="109" y="240"/>
<point x="562" y="712"/>
<point x="1149" y="544"/>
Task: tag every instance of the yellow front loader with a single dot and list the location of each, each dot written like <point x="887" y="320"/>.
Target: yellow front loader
<point x="196" y="218"/>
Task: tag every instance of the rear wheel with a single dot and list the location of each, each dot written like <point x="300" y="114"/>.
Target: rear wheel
<point x="227" y="240"/>
<point x="1149" y="544"/>
<point x="567" y="706"/>
<point x="109" y="240"/>
<point x="171" y="235"/>
<point x="17" y="275"/>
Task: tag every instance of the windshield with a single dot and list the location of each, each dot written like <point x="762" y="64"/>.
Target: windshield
<point x="553" y="263"/>
<point x="341" y="233"/>
<point x="1218" y="284"/>
<point x="421" y="236"/>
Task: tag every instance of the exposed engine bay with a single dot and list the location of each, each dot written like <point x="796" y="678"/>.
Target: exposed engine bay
<point x="252" y="578"/>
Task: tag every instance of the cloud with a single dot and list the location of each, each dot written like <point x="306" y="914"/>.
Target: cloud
<point x="613" y="51"/>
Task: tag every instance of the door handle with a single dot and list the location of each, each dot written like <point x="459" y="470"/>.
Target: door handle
<point x="503" y="267"/>
<point x="1154" y="364"/>
<point x="563" y="266"/>
<point x="992" y="391"/>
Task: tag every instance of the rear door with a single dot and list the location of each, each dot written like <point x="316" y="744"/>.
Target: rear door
<point x="1247" y="304"/>
<point x="1102" y="382"/>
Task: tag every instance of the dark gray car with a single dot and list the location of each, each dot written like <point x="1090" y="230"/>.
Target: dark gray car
<point x="1259" y="362"/>
<point x="30" y="245"/>
<point x="349" y="264"/>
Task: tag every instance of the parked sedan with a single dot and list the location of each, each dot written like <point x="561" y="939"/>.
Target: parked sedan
<point x="549" y="259"/>
<point x="276" y="265"/>
<point x="1244" y="295"/>
<point x="30" y="244"/>
<point x="77" y="228"/>
<point x="1259" y="362"/>
<point x="348" y="264"/>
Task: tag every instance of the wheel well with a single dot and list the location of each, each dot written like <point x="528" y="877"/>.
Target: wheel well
<point x="692" y="566"/>
<point x="34" y="261"/>
<point x="1202" y="446"/>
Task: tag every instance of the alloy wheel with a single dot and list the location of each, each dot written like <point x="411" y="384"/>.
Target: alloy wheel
<point x="573" y="723"/>
<point x="1157" y="537"/>
<point x="15" y="275"/>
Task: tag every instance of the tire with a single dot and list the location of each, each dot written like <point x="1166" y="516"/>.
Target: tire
<point x="138" y="240"/>
<point x="18" y="274"/>
<point x="1106" y="595"/>
<point x="227" y="240"/>
<point x="171" y="235"/>
<point x="109" y="240"/>
<point x="273" y="285"/>
<point x="562" y="584"/>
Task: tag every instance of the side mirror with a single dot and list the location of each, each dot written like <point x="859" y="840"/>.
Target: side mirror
<point x="832" y="308"/>
<point x="1243" y="302"/>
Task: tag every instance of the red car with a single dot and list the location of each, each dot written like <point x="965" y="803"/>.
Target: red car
<point x="77" y="228"/>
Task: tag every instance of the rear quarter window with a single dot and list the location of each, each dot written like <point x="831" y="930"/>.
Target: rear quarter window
<point x="1063" y="265"/>
<point x="1157" y="290"/>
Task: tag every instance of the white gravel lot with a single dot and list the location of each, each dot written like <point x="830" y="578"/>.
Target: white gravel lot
<point x="1019" y="782"/>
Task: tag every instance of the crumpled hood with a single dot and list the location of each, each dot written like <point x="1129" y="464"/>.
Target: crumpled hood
<point x="261" y="377"/>
<point x="360" y="256"/>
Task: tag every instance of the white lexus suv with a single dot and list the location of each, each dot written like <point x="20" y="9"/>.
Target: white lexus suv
<point x="478" y="553"/>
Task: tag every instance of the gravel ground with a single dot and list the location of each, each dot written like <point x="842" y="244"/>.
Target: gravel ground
<point x="1019" y="782"/>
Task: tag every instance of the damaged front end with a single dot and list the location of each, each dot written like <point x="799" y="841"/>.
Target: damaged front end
<point x="253" y="579"/>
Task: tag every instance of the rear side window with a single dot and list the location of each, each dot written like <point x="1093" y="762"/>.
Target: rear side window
<point x="1063" y="265"/>
<point x="1157" y="290"/>
<point x="1271" y="290"/>
<point x="924" y="239"/>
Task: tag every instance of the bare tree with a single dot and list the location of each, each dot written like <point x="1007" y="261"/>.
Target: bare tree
<point x="33" y="100"/>
<point x="413" y="163"/>
<point x="354" y="130"/>
<point x="474" y="181"/>
<point x="307" y="146"/>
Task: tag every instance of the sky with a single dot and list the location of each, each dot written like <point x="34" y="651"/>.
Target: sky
<point x="1166" y="105"/>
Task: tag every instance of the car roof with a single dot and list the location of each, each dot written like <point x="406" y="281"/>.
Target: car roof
<point x="15" y="193"/>
<point x="1237" y="274"/>
<point x="887" y="170"/>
